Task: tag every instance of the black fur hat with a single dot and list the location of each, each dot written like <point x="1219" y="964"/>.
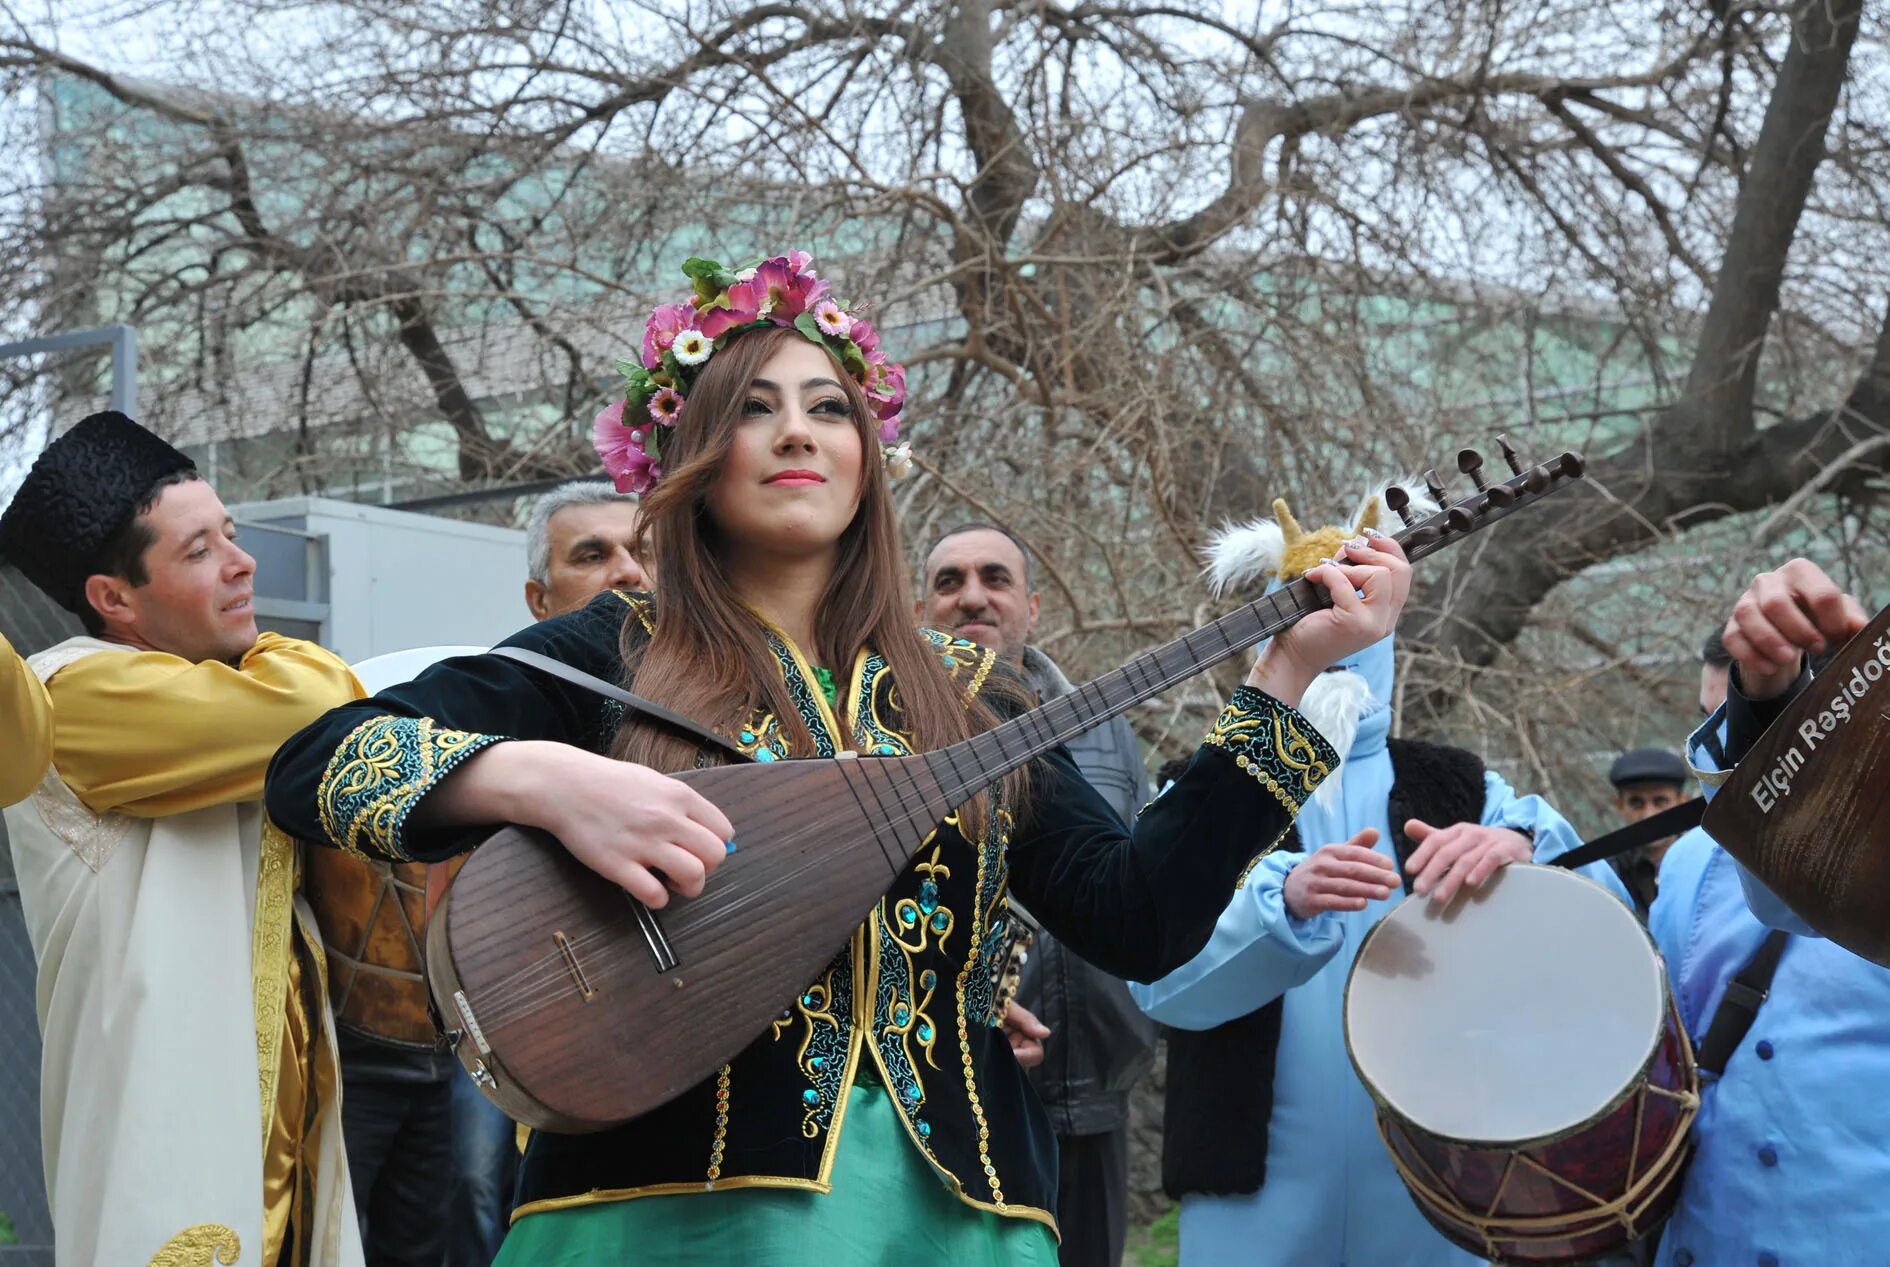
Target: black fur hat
<point x="81" y="490"/>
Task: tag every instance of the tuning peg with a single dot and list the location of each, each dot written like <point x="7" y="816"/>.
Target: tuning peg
<point x="1509" y="455"/>
<point x="1500" y="495"/>
<point x="1460" y="519"/>
<point x="1400" y="503"/>
<point x="1537" y="479"/>
<point x="1570" y="466"/>
<point x="1435" y="487"/>
<point x="1470" y="462"/>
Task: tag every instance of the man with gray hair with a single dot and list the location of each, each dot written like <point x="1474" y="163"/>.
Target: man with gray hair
<point x="1092" y="1043"/>
<point x="579" y="542"/>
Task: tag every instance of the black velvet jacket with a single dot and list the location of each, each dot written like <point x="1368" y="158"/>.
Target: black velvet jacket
<point x="911" y="995"/>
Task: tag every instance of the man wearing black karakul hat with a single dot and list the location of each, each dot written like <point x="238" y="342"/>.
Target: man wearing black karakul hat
<point x="187" y="1099"/>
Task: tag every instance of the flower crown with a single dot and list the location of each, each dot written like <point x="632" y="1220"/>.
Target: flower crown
<point x="678" y="340"/>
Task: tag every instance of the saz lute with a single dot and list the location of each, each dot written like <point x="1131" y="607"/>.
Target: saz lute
<point x="574" y="1007"/>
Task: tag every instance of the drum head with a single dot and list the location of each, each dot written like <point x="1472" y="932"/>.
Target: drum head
<point x="1519" y="1013"/>
<point x="382" y="671"/>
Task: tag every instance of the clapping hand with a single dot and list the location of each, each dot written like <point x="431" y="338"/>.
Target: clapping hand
<point x="1340" y="878"/>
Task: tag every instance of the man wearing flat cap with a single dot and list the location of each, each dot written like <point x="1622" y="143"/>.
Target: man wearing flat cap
<point x="1646" y="781"/>
<point x="187" y="1098"/>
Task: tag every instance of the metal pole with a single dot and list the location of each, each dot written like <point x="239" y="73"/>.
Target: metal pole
<point x="123" y="341"/>
<point x="125" y="369"/>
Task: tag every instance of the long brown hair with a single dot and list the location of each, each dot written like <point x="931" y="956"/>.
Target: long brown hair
<point x="709" y="657"/>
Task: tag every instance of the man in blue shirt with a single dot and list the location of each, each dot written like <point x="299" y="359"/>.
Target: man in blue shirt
<point x="1792" y="1141"/>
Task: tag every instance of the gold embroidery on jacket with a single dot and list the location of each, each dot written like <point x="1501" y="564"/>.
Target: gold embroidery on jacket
<point x="271" y="947"/>
<point x="973" y="964"/>
<point x="720" y="1143"/>
<point x="200" y="1246"/>
<point x="380" y="772"/>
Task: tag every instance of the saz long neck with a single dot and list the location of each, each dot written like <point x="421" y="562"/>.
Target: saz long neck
<point x="965" y="767"/>
<point x="971" y="764"/>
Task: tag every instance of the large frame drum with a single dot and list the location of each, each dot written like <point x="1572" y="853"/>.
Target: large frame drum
<point x="1533" y="1081"/>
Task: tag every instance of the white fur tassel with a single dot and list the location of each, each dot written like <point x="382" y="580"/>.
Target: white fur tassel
<point x="1239" y="553"/>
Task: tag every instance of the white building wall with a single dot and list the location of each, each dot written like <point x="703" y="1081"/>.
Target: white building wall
<point x="396" y="579"/>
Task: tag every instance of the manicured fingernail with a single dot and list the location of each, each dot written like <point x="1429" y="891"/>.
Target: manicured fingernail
<point x="1356" y="543"/>
<point x="1326" y="563"/>
<point x="1373" y="532"/>
<point x="730" y="843"/>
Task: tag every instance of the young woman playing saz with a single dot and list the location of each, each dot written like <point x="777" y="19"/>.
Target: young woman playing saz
<point x="881" y="1114"/>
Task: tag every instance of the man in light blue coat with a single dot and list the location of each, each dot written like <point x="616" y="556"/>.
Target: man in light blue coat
<point x="1327" y="1194"/>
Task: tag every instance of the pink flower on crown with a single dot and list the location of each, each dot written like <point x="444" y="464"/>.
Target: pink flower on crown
<point x="831" y="320"/>
<point x="666" y="406"/>
<point x="744" y="306"/>
<point x="788" y="291"/>
<point x="619" y="446"/>
<point x="866" y="339"/>
<point x="889" y="429"/>
<point x="608" y="434"/>
<point x="668" y="321"/>
<point x="801" y="262"/>
<point x="889" y="383"/>
<point x="639" y="475"/>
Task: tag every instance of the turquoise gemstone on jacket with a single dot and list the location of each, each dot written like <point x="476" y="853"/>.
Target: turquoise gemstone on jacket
<point x="808" y="1000"/>
<point x="925" y="1031"/>
<point x="928" y="979"/>
<point x="810" y="1097"/>
<point x="908" y="916"/>
<point x="924" y="1129"/>
<point x="764" y="754"/>
<point x="887" y="750"/>
<point x="940" y="921"/>
<point x="928" y="897"/>
<point x="817" y="1061"/>
<point x="748" y="736"/>
<point x="900" y="1015"/>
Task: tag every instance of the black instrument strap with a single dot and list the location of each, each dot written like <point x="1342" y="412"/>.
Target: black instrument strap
<point x="656" y="712"/>
<point x="1669" y="822"/>
<point x="1740" y="1007"/>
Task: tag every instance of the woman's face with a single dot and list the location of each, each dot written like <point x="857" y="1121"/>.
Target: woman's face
<point x="791" y="480"/>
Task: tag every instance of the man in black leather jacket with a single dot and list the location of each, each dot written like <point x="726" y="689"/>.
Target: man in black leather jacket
<point x="1095" y="1042"/>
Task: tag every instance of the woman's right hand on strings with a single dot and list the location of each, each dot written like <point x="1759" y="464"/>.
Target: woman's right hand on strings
<point x="1368" y="582"/>
<point x="626" y="822"/>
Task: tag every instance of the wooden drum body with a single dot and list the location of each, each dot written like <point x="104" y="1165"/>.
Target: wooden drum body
<point x="1533" y="1081"/>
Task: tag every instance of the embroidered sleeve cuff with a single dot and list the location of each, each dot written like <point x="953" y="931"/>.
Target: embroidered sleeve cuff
<point x="1275" y="745"/>
<point x="380" y="772"/>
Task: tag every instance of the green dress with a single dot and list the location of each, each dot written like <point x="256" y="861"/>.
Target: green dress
<point x="887" y="1207"/>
